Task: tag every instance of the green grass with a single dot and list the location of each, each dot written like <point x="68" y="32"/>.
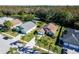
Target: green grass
<point x="12" y="51"/>
<point x="40" y="24"/>
<point x="56" y="34"/>
<point x="49" y="42"/>
<point x="28" y="36"/>
<point x="10" y="32"/>
<point x="41" y="51"/>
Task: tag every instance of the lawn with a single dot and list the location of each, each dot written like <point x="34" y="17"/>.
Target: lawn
<point x="12" y="51"/>
<point x="28" y="36"/>
<point x="49" y="42"/>
<point x="12" y="33"/>
<point x="40" y="24"/>
<point x="41" y="51"/>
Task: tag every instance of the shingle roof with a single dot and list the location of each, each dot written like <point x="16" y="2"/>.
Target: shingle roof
<point x="28" y="25"/>
<point x="52" y="27"/>
<point x="71" y="37"/>
<point x="15" y="22"/>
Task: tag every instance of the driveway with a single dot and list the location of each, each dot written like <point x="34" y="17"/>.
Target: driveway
<point x="31" y="43"/>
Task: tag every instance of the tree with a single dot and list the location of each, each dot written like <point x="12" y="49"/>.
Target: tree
<point x="63" y="18"/>
<point x="42" y="14"/>
<point x="8" y="24"/>
<point x="28" y="17"/>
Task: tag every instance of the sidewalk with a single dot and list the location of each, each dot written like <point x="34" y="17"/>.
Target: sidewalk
<point x="8" y="35"/>
<point x="44" y="49"/>
<point x="38" y="47"/>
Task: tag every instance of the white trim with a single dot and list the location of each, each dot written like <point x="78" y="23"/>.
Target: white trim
<point x="30" y="30"/>
<point x="16" y="25"/>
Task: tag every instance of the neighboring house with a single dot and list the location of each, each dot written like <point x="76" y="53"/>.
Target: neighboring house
<point x="16" y="22"/>
<point x="51" y="28"/>
<point x="70" y="39"/>
<point x="41" y="31"/>
<point x="3" y="19"/>
<point x="26" y="27"/>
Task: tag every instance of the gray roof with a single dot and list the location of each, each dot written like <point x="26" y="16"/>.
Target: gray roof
<point x="3" y="19"/>
<point x="71" y="37"/>
<point x="28" y="25"/>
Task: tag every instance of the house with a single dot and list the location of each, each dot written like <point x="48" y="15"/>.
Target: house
<point x="70" y="39"/>
<point x="3" y="19"/>
<point x="51" y="28"/>
<point x="41" y="31"/>
<point x="26" y="27"/>
<point x="15" y="22"/>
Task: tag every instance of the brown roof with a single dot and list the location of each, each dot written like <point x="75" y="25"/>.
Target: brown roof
<point x="53" y="27"/>
<point x="16" y="22"/>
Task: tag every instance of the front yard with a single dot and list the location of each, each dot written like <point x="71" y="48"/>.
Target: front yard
<point x="28" y="36"/>
<point x="12" y="33"/>
<point x="49" y="42"/>
<point x="12" y="51"/>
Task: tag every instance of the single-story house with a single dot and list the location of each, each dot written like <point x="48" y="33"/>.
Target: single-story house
<point x="70" y="39"/>
<point x="51" y="28"/>
<point x="15" y="22"/>
<point x="3" y="19"/>
<point x="26" y="27"/>
<point x="41" y="31"/>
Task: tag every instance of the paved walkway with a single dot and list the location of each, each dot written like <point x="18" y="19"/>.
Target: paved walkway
<point x="18" y="37"/>
<point x="8" y="35"/>
<point x="31" y="43"/>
